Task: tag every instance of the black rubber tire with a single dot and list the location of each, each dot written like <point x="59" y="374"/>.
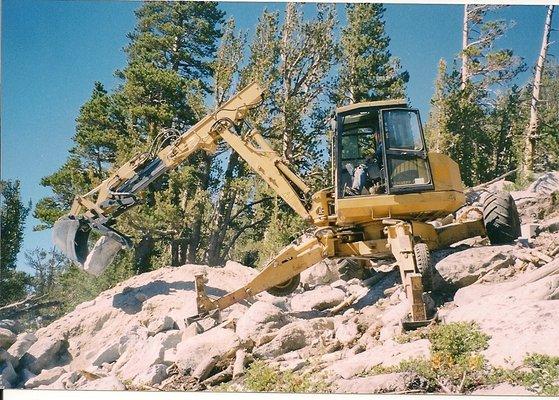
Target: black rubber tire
<point x="350" y="269"/>
<point x="425" y="265"/>
<point x="500" y="217"/>
<point x="286" y="287"/>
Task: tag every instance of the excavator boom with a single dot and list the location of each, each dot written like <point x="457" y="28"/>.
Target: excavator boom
<point x="97" y="209"/>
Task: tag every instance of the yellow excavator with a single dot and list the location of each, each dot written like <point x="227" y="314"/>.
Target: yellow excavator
<point x="388" y="197"/>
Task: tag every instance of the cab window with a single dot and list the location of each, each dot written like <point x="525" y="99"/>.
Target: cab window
<point x="408" y="171"/>
<point x="358" y="139"/>
<point x="402" y="130"/>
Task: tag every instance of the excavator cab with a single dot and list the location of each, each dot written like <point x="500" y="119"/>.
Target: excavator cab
<point x="380" y="149"/>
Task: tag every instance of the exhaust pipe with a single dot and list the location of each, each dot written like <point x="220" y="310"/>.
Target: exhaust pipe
<point x="71" y="236"/>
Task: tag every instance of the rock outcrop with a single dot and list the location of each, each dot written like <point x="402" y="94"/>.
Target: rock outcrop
<point x="346" y="333"/>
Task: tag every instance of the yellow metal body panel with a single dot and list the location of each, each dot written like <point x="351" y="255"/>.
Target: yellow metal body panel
<point x="447" y="197"/>
<point x="446" y="173"/>
<point x="420" y="206"/>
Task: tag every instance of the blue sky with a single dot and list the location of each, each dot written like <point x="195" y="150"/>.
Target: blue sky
<point x="53" y="51"/>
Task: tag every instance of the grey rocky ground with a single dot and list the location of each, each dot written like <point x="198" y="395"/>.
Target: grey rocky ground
<point x="346" y="335"/>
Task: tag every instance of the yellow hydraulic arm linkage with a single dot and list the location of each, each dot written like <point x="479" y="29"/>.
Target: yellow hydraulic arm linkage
<point x="97" y="209"/>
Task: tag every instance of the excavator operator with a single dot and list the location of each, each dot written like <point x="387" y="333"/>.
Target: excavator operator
<point x="367" y="175"/>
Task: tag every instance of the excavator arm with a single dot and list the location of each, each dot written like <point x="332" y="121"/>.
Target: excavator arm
<point x="98" y="209"/>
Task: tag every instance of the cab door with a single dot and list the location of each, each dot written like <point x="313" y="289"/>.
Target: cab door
<point x="404" y="151"/>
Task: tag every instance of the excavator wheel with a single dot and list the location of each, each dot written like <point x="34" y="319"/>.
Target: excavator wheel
<point x="350" y="269"/>
<point x="501" y="219"/>
<point x="424" y="264"/>
<point x="285" y="288"/>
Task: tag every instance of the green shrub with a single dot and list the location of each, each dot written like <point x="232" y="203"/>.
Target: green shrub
<point x="543" y="376"/>
<point x="540" y="374"/>
<point x="260" y="377"/>
<point x="456" y="342"/>
<point x="455" y="359"/>
<point x="406" y="337"/>
<point x="456" y="363"/>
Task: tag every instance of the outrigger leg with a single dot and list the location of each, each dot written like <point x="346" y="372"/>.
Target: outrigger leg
<point x="285" y="267"/>
<point x="400" y="240"/>
<point x="282" y="273"/>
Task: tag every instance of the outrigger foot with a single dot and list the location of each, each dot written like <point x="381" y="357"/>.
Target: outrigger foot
<point x="409" y="325"/>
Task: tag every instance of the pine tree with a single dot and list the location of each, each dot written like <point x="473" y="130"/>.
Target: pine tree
<point x="12" y="223"/>
<point x="306" y="57"/>
<point x="177" y="36"/>
<point x="368" y="71"/>
<point x="163" y="85"/>
<point x="94" y="150"/>
<point x="481" y="63"/>
<point x="47" y="267"/>
<point x="231" y="185"/>
<point x="459" y="129"/>
<point x="505" y="124"/>
<point x="169" y="65"/>
<point x="97" y="132"/>
<point x="436" y="132"/>
<point x="292" y="61"/>
<point x="470" y="120"/>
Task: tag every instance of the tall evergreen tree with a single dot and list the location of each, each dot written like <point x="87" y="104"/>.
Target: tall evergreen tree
<point x="368" y="71"/>
<point x="13" y="213"/>
<point x="94" y="149"/>
<point x="97" y="132"/>
<point x="482" y="63"/>
<point x="231" y="184"/>
<point x="169" y="65"/>
<point x="436" y="132"/>
<point x="504" y="125"/>
<point x="177" y="36"/>
<point x="532" y="126"/>
<point x="293" y="61"/>
<point x="306" y="51"/>
<point x="47" y="267"/>
<point x="470" y="120"/>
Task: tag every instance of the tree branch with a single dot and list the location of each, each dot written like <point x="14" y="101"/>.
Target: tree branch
<point x="249" y="205"/>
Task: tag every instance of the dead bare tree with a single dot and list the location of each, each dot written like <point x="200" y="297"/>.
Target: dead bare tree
<point x="533" y="124"/>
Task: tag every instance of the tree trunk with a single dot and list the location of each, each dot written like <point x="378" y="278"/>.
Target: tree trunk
<point x="196" y="235"/>
<point x="532" y="128"/>
<point x="465" y="31"/>
<point x="143" y="252"/>
<point x="222" y="214"/>
<point x="287" y="143"/>
<point x="178" y="252"/>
